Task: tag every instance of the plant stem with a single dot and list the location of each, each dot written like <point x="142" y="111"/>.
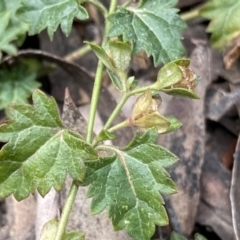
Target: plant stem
<point x="98" y="79"/>
<point x="94" y="101"/>
<point x="99" y="6"/>
<point x="66" y="211"/>
<point x="190" y="15"/>
<point x="71" y="57"/>
<point x="119" y="126"/>
<point x="127" y="3"/>
<point x="96" y="91"/>
<point x="141" y="89"/>
<point x="120" y="105"/>
<point x="116" y="110"/>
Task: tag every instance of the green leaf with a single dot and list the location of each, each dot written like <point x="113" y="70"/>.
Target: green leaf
<point x="154" y="26"/>
<point x="105" y="135"/>
<point x="115" y="80"/>
<point x="73" y="236"/>
<point x="131" y="83"/>
<point x="181" y="92"/>
<point x="171" y="73"/>
<point x="43" y="14"/>
<point x="49" y="230"/>
<point x="174" y="124"/>
<point x="7" y="35"/>
<point x="102" y="55"/>
<point x="120" y="54"/>
<point x="198" y="236"/>
<point x="176" y="236"/>
<point x="14" y="23"/>
<point x="225" y="21"/>
<point x="40" y="151"/>
<point x="16" y="85"/>
<point x="128" y="185"/>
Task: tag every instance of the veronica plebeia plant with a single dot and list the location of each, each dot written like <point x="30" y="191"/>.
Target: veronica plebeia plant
<point x="40" y="151"/>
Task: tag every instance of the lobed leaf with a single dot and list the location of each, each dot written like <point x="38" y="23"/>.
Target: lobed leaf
<point x="39" y="151"/>
<point x="43" y="14"/>
<point x="128" y="184"/>
<point x="7" y="35"/>
<point x="16" y="85"/>
<point x="12" y="31"/>
<point x="14" y="23"/>
<point x="154" y="26"/>
<point x="225" y="21"/>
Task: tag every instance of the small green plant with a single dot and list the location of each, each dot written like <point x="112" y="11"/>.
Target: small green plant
<point x="40" y="150"/>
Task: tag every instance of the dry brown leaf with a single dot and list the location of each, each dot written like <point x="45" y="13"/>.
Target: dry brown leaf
<point x="232" y="53"/>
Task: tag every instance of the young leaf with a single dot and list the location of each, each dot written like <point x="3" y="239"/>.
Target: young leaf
<point x="16" y="85"/>
<point x="171" y="73"/>
<point x="128" y="184"/>
<point x="120" y="54"/>
<point x="102" y="55"/>
<point x="115" y="80"/>
<point x="131" y="83"/>
<point x="49" y="230"/>
<point x="154" y="26"/>
<point x="225" y="21"/>
<point x="39" y="151"/>
<point x="174" y="124"/>
<point x="73" y="236"/>
<point x="105" y="135"/>
<point x="43" y="14"/>
<point x="7" y="35"/>
<point x="181" y="92"/>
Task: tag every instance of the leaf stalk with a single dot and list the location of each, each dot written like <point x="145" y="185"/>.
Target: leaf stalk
<point x="99" y="6"/>
<point x="98" y="79"/>
<point x="116" y="110"/>
<point x="66" y="211"/>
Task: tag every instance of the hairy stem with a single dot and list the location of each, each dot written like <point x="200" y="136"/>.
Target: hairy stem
<point x="127" y="3"/>
<point x="121" y="103"/>
<point x="141" y="89"/>
<point x="116" y="111"/>
<point x="71" y="57"/>
<point x="94" y="101"/>
<point x="119" y="126"/>
<point x="95" y="96"/>
<point x="66" y="211"/>
<point x="190" y="15"/>
<point x="98" y="79"/>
